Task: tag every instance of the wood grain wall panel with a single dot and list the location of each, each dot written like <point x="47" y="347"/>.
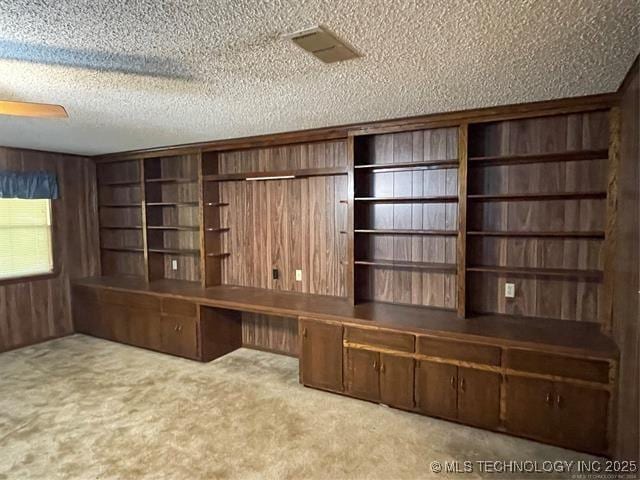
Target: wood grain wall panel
<point x="287" y="157"/>
<point x="568" y="299"/>
<point x="33" y="311"/>
<point x="626" y="312"/>
<point x="285" y="224"/>
<point x="272" y="333"/>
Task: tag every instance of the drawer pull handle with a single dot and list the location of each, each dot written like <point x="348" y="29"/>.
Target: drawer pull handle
<point x="452" y="380"/>
<point x="462" y="386"/>
<point x="375" y="365"/>
<point x="304" y="332"/>
<point x="381" y="367"/>
<point x="558" y="401"/>
<point x="549" y="399"/>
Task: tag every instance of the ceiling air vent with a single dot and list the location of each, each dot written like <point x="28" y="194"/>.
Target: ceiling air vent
<point x="322" y="44"/>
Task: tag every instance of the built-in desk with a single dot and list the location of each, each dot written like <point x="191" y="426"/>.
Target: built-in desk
<point x="557" y="336"/>
<point x="548" y="380"/>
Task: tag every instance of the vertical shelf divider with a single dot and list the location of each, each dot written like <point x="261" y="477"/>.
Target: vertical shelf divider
<point x="143" y="215"/>
<point x="349" y="267"/>
<point x="461" y="246"/>
<point x="610" y="234"/>
<point x="201" y="217"/>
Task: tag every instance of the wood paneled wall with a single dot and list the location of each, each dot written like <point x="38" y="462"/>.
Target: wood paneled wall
<point x="626" y="313"/>
<point x="271" y="333"/>
<point x="33" y="311"/>
<point x="288" y="225"/>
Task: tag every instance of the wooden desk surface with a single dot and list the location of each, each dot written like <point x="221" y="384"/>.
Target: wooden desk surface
<point x="557" y="336"/>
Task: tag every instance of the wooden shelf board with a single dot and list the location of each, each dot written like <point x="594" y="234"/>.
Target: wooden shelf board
<point x="442" y="233"/>
<point x="120" y="183"/>
<point x="218" y="254"/>
<point x="436" y="199"/>
<point x="117" y="227"/>
<point x="217" y="230"/>
<point x="123" y="249"/>
<point x="175" y="251"/>
<point x="540" y="158"/>
<point x="538" y="272"/>
<point x="172" y="204"/>
<point x="120" y="205"/>
<point x="216" y="204"/>
<point x="538" y="196"/>
<point x="441" y="267"/>
<point x="402" y="166"/>
<point x="171" y="180"/>
<point x="174" y="227"/>
<point x="557" y="234"/>
<point x="304" y="172"/>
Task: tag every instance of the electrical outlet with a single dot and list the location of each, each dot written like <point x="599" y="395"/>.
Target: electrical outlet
<point x="274" y="274"/>
<point x="298" y="275"/>
<point x="174" y="264"/>
<point x="509" y="290"/>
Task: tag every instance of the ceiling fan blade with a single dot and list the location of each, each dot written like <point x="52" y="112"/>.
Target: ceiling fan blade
<point x="28" y="109"/>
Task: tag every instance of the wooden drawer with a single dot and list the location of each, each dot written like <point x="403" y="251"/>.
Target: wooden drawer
<point x="137" y="300"/>
<point x="455" y="350"/>
<point x="402" y="342"/>
<point x="550" y="364"/>
<point x="171" y="306"/>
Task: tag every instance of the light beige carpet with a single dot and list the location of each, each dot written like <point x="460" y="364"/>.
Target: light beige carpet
<point x="84" y="408"/>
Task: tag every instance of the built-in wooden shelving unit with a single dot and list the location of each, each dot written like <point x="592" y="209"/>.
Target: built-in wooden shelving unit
<point x="537" y="216"/>
<point x="438" y="217"/>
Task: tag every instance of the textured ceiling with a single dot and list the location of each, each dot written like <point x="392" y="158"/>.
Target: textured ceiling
<point x="145" y="73"/>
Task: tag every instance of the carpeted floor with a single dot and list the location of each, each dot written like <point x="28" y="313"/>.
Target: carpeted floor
<point x="84" y="408"/>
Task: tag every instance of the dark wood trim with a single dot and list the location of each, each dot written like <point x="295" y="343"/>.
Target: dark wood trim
<point x="31" y="278"/>
<point x="461" y="244"/>
<point x="609" y="247"/>
<point x="504" y="112"/>
<point x="349" y="267"/>
<point x="631" y="73"/>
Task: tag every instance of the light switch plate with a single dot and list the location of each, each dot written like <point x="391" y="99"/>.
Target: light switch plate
<point x="298" y="275"/>
<point x="509" y="290"/>
<point x="174" y="264"/>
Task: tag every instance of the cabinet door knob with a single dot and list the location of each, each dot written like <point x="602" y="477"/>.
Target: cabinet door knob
<point x="381" y="367"/>
<point x="558" y="401"/>
<point x="375" y="365"/>
<point x="462" y="385"/>
<point x="304" y="332"/>
<point x="549" y="399"/>
<point x="452" y="380"/>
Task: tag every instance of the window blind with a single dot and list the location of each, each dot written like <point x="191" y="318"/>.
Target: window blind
<point x="25" y="237"/>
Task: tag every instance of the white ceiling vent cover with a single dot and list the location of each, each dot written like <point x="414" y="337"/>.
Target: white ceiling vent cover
<point x="322" y="45"/>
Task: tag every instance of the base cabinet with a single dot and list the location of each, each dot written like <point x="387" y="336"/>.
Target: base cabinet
<point x="558" y="412"/>
<point x="463" y="381"/>
<point x="137" y="319"/>
<point x="321" y="354"/>
<point x="465" y="394"/>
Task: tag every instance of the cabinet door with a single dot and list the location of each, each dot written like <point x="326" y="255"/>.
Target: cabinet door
<point x="321" y="355"/>
<point x="145" y="329"/>
<point x="581" y="417"/>
<point x="437" y="389"/>
<point x="479" y="397"/>
<point x="396" y="381"/>
<point x="530" y="410"/>
<point x="114" y="320"/>
<point x="178" y="336"/>
<point x="361" y="378"/>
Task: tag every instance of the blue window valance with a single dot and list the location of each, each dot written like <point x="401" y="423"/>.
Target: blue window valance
<point x="28" y="185"/>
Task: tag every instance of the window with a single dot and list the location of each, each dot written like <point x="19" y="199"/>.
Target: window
<point x="25" y="238"/>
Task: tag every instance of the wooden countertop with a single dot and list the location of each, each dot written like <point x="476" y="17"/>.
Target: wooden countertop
<point x="557" y="336"/>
